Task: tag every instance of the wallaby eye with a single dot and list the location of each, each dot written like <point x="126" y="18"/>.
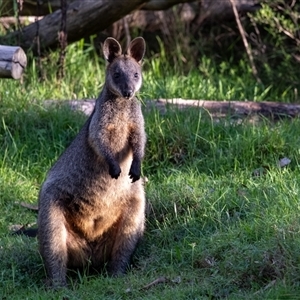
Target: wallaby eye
<point x="116" y="75"/>
<point x="136" y="75"/>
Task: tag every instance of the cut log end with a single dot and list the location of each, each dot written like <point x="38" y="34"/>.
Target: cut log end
<point x="13" y="61"/>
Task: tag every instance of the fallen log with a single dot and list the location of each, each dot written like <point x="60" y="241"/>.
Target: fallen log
<point x="13" y="61"/>
<point x="240" y="108"/>
<point x="216" y="108"/>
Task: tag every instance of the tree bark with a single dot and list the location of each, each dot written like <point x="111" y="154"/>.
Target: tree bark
<point x="12" y="62"/>
<point x="162" y="4"/>
<point x="83" y="19"/>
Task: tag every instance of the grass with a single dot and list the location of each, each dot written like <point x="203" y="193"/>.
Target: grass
<point x="216" y="227"/>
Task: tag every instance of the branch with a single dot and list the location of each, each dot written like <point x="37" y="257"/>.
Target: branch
<point x="243" y="35"/>
<point x="286" y="32"/>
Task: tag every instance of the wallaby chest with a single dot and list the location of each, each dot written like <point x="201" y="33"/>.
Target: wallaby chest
<point x="118" y="126"/>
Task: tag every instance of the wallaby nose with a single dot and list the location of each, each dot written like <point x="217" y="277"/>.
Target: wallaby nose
<point x="128" y="93"/>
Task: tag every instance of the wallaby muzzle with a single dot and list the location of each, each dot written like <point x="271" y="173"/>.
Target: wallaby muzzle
<point x="128" y="93"/>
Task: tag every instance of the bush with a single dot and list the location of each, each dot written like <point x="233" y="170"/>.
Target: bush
<point x="275" y="38"/>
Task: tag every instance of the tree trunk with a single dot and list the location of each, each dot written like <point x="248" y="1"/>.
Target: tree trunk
<point x="83" y="19"/>
<point x="12" y="62"/>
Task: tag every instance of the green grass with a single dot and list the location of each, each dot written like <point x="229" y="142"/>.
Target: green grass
<point x="214" y="229"/>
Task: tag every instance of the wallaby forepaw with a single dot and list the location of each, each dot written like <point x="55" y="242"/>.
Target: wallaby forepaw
<point x="134" y="177"/>
<point x="114" y="171"/>
<point x="135" y="171"/>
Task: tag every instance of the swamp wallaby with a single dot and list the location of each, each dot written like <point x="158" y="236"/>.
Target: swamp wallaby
<point x="92" y="203"/>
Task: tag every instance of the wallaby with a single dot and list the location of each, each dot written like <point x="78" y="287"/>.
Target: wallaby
<point x="92" y="203"/>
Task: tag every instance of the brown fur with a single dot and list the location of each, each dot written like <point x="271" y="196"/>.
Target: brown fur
<point x="92" y="203"/>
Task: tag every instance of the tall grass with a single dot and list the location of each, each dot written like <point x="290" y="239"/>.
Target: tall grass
<point x="222" y="217"/>
<point x="211" y="79"/>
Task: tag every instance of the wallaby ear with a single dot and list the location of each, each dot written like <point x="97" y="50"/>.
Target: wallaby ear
<point x="111" y="49"/>
<point x="137" y="49"/>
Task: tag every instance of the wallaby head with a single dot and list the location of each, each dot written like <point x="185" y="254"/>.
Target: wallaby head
<point x="124" y="76"/>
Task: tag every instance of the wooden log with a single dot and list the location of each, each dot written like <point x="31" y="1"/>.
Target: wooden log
<point x="13" y="61"/>
<point x="218" y="109"/>
<point x="237" y="108"/>
<point x="83" y="19"/>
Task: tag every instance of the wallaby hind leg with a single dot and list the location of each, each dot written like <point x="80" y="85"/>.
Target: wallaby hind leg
<point x="130" y="231"/>
<point x="52" y="243"/>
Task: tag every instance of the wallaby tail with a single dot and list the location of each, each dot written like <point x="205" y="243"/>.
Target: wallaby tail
<point x="30" y="232"/>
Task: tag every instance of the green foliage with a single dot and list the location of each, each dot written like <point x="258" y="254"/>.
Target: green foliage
<point x="215" y="54"/>
<point x="276" y="41"/>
